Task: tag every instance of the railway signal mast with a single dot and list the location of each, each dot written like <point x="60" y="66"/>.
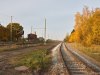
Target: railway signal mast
<point x="11" y="30"/>
<point x="45" y="33"/>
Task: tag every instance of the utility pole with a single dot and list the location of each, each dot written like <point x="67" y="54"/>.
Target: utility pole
<point x="11" y="29"/>
<point x="48" y="36"/>
<point x="0" y="23"/>
<point x="45" y="33"/>
<point x="31" y="29"/>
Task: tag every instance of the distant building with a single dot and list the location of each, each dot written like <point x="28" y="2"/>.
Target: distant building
<point x="32" y="37"/>
<point x="41" y="39"/>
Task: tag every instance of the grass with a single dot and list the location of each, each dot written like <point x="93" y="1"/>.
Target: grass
<point x="12" y="47"/>
<point x="93" y="51"/>
<point x="35" y="60"/>
<point x="7" y="48"/>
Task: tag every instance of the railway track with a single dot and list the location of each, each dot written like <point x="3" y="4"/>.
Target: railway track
<point x="58" y="67"/>
<point x="77" y="64"/>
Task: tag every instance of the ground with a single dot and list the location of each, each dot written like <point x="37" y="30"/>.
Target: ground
<point x="7" y="63"/>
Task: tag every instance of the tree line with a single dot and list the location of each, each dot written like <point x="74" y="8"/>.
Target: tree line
<point x="87" y="27"/>
<point x="12" y="32"/>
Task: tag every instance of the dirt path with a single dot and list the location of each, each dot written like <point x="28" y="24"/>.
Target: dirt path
<point x="6" y="68"/>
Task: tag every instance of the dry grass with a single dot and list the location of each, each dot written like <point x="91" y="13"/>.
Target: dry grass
<point x="93" y="51"/>
<point x="8" y="48"/>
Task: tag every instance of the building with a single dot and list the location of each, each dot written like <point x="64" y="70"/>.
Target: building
<point x="32" y="37"/>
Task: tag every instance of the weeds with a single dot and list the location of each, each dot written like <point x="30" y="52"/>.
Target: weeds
<point x="36" y="60"/>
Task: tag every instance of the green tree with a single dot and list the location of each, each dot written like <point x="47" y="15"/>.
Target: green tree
<point x="17" y="31"/>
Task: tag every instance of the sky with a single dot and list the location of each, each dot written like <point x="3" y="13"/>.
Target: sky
<point x="59" y="14"/>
